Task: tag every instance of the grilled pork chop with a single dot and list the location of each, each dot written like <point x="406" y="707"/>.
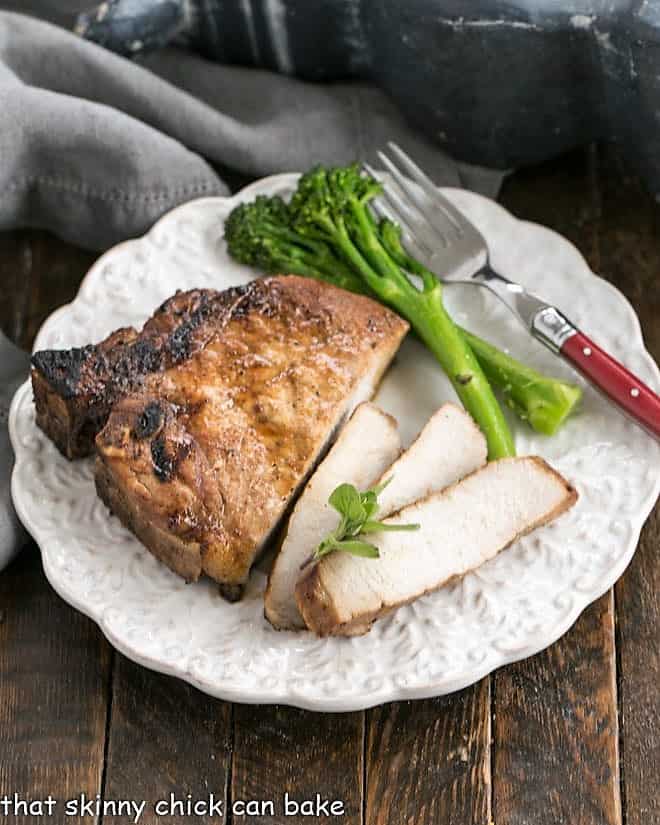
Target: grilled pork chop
<point x="461" y="527"/>
<point x="75" y="389"/>
<point x="449" y="447"/>
<point x="367" y="444"/>
<point x="204" y="460"/>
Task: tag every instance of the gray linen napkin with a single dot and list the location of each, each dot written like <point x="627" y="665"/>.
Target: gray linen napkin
<point x="95" y="147"/>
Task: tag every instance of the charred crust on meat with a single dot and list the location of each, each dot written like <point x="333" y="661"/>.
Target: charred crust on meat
<point x="62" y="368"/>
<point x="181" y="344"/>
<point x="166" y="457"/>
<point x="150" y="421"/>
<point x="180" y="340"/>
<point x="142" y="357"/>
<point x="164" y="463"/>
<point x="171" y="302"/>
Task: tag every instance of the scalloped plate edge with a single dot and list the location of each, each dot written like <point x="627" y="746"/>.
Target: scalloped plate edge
<point x="343" y="704"/>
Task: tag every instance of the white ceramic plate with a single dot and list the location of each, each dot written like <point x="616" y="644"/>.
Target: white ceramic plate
<point x="512" y="607"/>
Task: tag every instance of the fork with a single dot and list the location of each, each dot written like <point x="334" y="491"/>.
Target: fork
<point x="444" y="240"/>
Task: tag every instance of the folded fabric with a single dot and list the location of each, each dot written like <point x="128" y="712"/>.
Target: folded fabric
<point x="62" y="12"/>
<point x="95" y="147"/>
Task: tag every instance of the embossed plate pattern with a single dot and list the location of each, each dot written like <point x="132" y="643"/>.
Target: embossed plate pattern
<point x="510" y="608"/>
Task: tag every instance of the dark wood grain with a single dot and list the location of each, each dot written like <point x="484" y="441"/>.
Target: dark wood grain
<point x="630" y="256"/>
<point x="555" y="733"/>
<point x="280" y="750"/>
<point x="429" y="761"/>
<point x="38" y="273"/>
<point x="16" y="279"/>
<point x="638" y="610"/>
<point x="563" y="194"/>
<point x="168" y="745"/>
<point x="555" y="724"/>
<point x="54" y="663"/>
<point x="54" y="668"/>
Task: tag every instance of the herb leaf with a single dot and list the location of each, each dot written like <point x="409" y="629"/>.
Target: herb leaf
<point x="381" y="527"/>
<point x="358" y="548"/>
<point x="369" y="503"/>
<point x="347" y="502"/>
<point x="358" y="511"/>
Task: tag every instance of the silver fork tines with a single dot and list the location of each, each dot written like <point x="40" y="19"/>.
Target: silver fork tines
<point x="453" y="215"/>
<point x="406" y="198"/>
<point x="388" y="207"/>
<point x="438" y="234"/>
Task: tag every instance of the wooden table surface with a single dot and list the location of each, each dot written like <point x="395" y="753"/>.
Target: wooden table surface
<point x="571" y="735"/>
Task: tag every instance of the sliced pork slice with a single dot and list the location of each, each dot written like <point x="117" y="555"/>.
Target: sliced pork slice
<point x="462" y="527"/>
<point x="449" y="447"/>
<point x="366" y="446"/>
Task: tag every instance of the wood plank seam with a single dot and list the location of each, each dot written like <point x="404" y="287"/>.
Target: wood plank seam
<point x="619" y="713"/>
<point x="365" y="757"/>
<point x="618" y="797"/>
<point x="490" y="762"/>
<point x="108" y="726"/>
<point x="229" y="816"/>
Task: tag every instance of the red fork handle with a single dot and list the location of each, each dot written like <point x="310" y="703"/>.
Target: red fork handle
<point x="612" y="378"/>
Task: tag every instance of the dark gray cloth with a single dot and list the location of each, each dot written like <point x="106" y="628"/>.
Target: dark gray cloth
<point x="95" y="147"/>
<point x="62" y="12"/>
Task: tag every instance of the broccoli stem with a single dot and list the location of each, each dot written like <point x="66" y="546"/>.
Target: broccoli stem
<point x="442" y="337"/>
<point x="425" y="311"/>
<point x="544" y="402"/>
<point x="312" y="259"/>
<point x="435" y="327"/>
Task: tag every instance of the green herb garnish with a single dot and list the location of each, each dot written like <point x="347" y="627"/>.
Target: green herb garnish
<point x="358" y="513"/>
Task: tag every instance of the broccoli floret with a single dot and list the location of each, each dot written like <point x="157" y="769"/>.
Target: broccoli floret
<point x="259" y="234"/>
